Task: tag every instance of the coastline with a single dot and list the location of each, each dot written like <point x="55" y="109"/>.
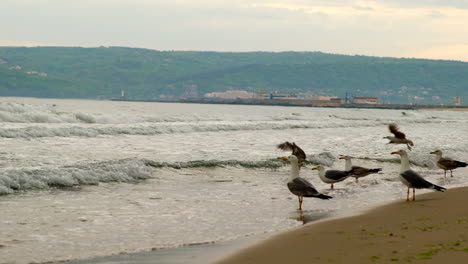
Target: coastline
<point x="302" y="103"/>
<point x="432" y="229"/>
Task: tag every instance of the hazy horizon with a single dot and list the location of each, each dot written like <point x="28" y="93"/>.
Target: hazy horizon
<point x="426" y="29"/>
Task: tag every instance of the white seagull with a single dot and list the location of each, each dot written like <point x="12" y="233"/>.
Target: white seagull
<point x="412" y="179"/>
<point x="299" y="186"/>
<point x="332" y="176"/>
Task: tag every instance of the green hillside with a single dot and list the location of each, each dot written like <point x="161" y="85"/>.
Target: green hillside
<point x="75" y="72"/>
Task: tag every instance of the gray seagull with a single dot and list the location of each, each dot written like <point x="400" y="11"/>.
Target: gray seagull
<point x="398" y="136"/>
<point x="412" y="179"/>
<point x="357" y="171"/>
<point x="332" y="176"/>
<point x="299" y="186"/>
<point x="447" y="164"/>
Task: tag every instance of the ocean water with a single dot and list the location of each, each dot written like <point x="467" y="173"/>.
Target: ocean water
<point x="82" y="178"/>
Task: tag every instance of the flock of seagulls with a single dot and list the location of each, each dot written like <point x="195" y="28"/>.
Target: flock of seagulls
<point x="410" y="178"/>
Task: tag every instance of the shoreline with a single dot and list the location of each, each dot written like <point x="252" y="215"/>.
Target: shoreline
<point x="370" y="236"/>
<point x="432" y="229"/>
<point x="303" y="103"/>
<point x="200" y="253"/>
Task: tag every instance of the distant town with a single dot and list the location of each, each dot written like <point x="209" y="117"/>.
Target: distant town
<point x="262" y="97"/>
<point x="262" y="94"/>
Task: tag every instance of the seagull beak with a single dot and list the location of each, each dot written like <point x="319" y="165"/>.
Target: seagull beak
<point x="283" y="158"/>
<point x="314" y="168"/>
<point x="342" y="157"/>
<point x="433" y="152"/>
<point x="395" y="152"/>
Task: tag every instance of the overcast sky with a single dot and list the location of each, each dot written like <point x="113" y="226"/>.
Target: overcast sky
<point x="397" y="28"/>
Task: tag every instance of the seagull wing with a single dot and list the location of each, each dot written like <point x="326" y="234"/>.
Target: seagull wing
<point x="361" y="171"/>
<point x="416" y="180"/>
<point x="300" y="186"/>
<point x="298" y="152"/>
<point x="395" y="131"/>
<point x="451" y="164"/>
<point x="285" y="146"/>
<point x="337" y="174"/>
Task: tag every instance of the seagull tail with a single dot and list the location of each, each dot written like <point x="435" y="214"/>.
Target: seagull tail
<point x="375" y="170"/>
<point x="323" y="196"/>
<point x="438" y="188"/>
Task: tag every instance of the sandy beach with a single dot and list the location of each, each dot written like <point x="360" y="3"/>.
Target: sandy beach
<point x="432" y="229"/>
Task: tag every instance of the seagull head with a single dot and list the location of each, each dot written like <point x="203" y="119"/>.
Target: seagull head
<point x="401" y="152"/>
<point x="291" y="158"/>
<point x="283" y="158"/>
<point x="319" y="168"/>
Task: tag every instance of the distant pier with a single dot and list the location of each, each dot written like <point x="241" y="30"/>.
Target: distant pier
<point x="299" y="103"/>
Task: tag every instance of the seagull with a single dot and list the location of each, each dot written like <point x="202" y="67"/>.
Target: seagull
<point x="447" y="164"/>
<point x="412" y="179"/>
<point x="332" y="176"/>
<point x="399" y="137"/>
<point x="300" y="186"/>
<point x="357" y="171"/>
<point x="296" y="150"/>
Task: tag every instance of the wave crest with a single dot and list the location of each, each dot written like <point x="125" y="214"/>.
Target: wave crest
<point x="24" y="179"/>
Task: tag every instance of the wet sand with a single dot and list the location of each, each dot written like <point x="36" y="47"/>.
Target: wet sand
<point x="432" y="229"/>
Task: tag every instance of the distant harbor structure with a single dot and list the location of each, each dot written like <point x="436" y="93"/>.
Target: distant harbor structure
<point x="365" y="100"/>
<point x="277" y="98"/>
<point x="122" y="95"/>
<point x="231" y="94"/>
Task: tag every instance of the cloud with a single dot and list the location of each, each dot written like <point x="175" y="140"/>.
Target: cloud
<point x="387" y="9"/>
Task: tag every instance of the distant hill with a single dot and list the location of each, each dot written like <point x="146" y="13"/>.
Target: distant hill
<point x="73" y="72"/>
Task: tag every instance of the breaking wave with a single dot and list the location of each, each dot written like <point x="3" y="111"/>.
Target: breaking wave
<point x="33" y="131"/>
<point x="24" y="179"/>
<point x="133" y="170"/>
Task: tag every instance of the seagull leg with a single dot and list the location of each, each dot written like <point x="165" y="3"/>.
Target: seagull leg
<point x="407" y="195"/>
<point x="414" y="195"/>
<point x="300" y="202"/>
<point x="451" y="175"/>
<point x="332" y="186"/>
<point x="357" y="180"/>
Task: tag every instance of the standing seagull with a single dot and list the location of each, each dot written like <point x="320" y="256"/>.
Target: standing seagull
<point x="332" y="176"/>
<point x="357" y="171"/>
<point x="412" y="179"/>
<point x="447" y="164"/>
<point x="399" y="137"/>
<point x="296" y="150"/>
<point x="299" y="186"/>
